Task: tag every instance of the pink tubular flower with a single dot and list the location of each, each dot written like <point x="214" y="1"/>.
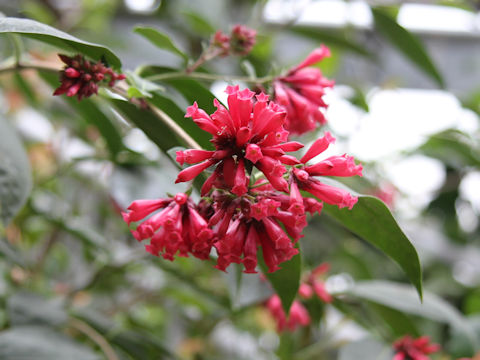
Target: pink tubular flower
<point x="303" y="176"/>
<point x="177" y="228"/>
<point x="301" y="91"/>
<point x="298" y="314"/>
<point x="242" y="224"/>
<point x="81" y="78"/>
<point x="408" y="348"/>
<point x="250" y="133"/>
<point x="242" y="40"/>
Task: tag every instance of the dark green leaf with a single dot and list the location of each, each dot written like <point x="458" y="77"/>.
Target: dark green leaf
<point x="407" y="43"/>
<point x="15" y="176"/>
<point x="41" y="343"/>
<point x="286" y="281"/>
<point x="178" y="115"/>
<point x="372" y="221"/>
<point x="331" y="38"/>
<point x="401" y="297"/>
<point x="38" y="31"/>
<point x="160" y="40"/>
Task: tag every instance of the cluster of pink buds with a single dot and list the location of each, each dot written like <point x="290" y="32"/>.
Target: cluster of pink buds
<point x="240" y="41"/>
<point x="81" y="77"/>
<point x="252" y="197"/>
<point x="301" y="92"/>
<point x="298" y="315"/>
<point x="408" y="348"/>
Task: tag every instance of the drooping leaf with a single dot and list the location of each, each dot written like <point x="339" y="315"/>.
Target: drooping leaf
<point x="407" y="43"/>
<point x="286" y="281"/>
<point x="401" y="297"/>
<point x="41" y="343"/>
<point x="160" y="40"/>
<point x="47" y="34"/>
<point x="15" y="174"/>
<point x="371" y="219"/>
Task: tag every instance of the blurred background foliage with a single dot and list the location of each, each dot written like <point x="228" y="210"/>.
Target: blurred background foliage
<point x="74" y="283"/>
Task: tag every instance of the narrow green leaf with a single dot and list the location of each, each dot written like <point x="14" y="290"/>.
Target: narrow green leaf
<point x="285" y="281"/>
<point x="372" y="221"/>
<point x="160" y="40"/>
<point x="401" y="297"/>
<point x="47" y="34"/>
<point x="198" y="23"/>
<point x="15" y="174"/>
<point x="331" y="38"/>
<point x="407" y="43"/>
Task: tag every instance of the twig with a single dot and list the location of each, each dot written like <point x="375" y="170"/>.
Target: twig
<point x="95" y="336"/>
<point x="210" y="77"/>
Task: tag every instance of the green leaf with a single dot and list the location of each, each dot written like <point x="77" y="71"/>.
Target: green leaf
<point x="41" y="343"/>
<point x="401" y="297"/>
<point x="140" y="87"/>
<point x="178" y="115"/>
<point x="407" y="43"/>
<point x="285" y="281"/>
<point x="92" y="114"/>
<point x="47" y="34"/>
<point x="198" y="23"/>
<point x="160" y="40"/>
<point x="372" y="221"/>
<point x="331" y="38"/>
<point x="15" y="174"/>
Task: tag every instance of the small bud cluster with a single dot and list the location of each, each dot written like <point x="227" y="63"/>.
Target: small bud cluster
<point x="240" y="41"/>
<point x="82" y="78"/>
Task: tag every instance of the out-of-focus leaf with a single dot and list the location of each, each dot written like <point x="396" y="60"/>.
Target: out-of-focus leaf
<point x="25" y="89"/>
<point x="92" y="114"/>
<point x="178" y="115"/>
<point x="286" y="281"/>
<point x="407" y="43"/>
<point x="140" y="87"/>
<point x="41" y="343"/>
<point x="332" y="39"/>
<point x="401" y="297"/>
<point x="371" y="219"/>
<point x="191" y="89"/>
<point x="47" y="34"/>
<point x="15" y="176"/>
<point x="30" y="309"/>
<point x="153" y="127"/>
<point x="244" y="289"/>
<point x="10" y="253"/>
<point x="160" y="40"/>
<point x="198" y="23"/>
<point x="398" y="322"/>
<point x="366" y="349"/>
<point x="454" y="148"/>
<point x="359" y="99"/>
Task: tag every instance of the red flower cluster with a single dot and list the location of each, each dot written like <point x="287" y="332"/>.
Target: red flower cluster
<point x="80" y="77"/>
<point x="300" y="92"/>
<point x="298" y="315"/>
<point x="243" y="215"/>
<point x="240" y="41"/>
<point x="408" y="348"/>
